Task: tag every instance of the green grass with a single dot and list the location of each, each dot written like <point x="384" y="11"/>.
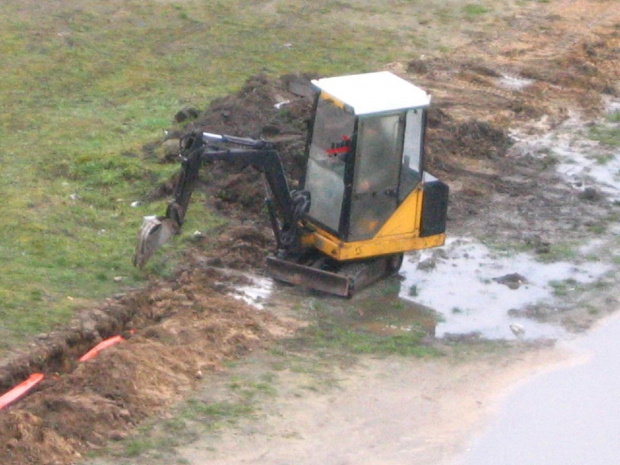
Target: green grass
<point x="473" y="10"/>
<point x="85" y="85"/>
<point x="157" y="440"/>
<point x="341" y="340"/>
<point x="613" y="117"/>
<point x="564" y="287"/>
<point x="606" y="135"/>
<point x="563" y="251"/>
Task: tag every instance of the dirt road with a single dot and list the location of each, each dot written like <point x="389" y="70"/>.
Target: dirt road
<point x="382" y="411"/>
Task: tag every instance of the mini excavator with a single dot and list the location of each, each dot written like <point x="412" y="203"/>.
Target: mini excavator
<point x="365" y="198"/>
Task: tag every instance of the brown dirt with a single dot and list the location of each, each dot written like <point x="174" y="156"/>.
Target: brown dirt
<point x="182" y="330"/>
<point x="187" y="326"/>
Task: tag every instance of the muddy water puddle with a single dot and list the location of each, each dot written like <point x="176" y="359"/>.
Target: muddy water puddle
<point x="478" y="291"/>
<point x="587" y="154"/>
<point x="461" y="290"/>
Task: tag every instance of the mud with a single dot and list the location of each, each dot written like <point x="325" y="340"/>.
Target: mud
<point x="529" y="79"/>
<point x="179" y="331"/>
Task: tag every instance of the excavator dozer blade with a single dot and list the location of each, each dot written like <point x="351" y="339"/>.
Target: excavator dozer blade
<point x="313" y="278"/>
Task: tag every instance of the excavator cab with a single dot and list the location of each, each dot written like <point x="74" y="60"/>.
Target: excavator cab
<point x="365" y="197"/>
<point x="369" y="193"/>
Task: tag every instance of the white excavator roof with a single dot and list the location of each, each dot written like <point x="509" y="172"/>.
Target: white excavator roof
<point x="378" y="92"/>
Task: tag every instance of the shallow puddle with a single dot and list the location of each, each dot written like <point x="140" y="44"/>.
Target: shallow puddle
<point x="475" y="289"/>
<point x="514" y="82"/>
<point x="256" y="292"/>
<point x="587" y="154"/>
<point x="462" y="289"/>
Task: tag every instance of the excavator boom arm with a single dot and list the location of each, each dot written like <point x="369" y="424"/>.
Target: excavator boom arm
<point x="198" y="148"/>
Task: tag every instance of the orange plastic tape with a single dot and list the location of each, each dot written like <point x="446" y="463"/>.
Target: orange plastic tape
<point x="92" y="353"/>
<point x="21" y="389"/>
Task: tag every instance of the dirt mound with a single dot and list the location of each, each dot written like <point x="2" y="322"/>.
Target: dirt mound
<point x="280" y="110"/>
<point x="237" y="246"/>
<point x="277" y="110"/>
<point x="472" y="139"/>
<point x="182" y="329"/>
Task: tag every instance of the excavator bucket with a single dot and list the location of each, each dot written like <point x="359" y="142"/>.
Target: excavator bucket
<point x="155" y="232"/>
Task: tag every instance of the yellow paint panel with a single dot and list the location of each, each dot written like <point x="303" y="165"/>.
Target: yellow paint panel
<point x="340" y="250"/>
<point x="406" y="218"/>
<point x="399" y="234"/>
<point x="334" y="100"/>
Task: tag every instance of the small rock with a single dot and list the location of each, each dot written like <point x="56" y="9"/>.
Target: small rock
<point x="117" y="279"/>
<point x="170" y="148"/>
<point x="186" y="113"/>
<point x="427" y="265"/>
<point x="460" y="338"/>
<point x="118" y="435"/>
<point x="517" y="329"/>
<point x="417" y="67"/>
<point x="512" y="280"/>
<point x="12" y="443"/>
<point x="590" y="194"/>
<point x="279" y="105"/>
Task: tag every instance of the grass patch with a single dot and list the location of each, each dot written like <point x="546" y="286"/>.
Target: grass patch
<point x="86" y="85"/>
<point x="613" y="117"/>
<point x="335" y="339"/>
<point x="158" y="439"/>
<point x="607" y="135"/>
<point x="564" y="287"/>
<point x="215" y="415"/>
<point x="473" y="10"/>
<point x="567" y="251"/>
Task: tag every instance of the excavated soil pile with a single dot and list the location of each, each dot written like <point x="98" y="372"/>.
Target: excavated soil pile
<point x="280" y="111"/>
<point x="276" y="110"/>
<point x="175" y="332"/>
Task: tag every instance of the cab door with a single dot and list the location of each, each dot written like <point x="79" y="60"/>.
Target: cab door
<point x="375" y="186"/>
<point x="329" y="156"/>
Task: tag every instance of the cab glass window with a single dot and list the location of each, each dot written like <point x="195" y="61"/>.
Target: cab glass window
<point x="329" y="148"/>
<point x="377" y="167"/>
<point x="411" y="171"/>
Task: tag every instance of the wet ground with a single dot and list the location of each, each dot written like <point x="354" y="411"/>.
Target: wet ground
<point x="484" y="293"/>
<point x="466" y="291"/>
<point x="569" y="416"/>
